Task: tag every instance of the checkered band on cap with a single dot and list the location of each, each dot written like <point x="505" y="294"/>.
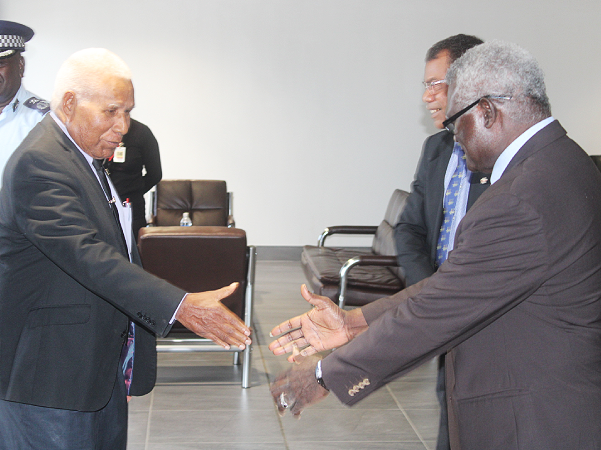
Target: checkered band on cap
<point x="11" y="41"/>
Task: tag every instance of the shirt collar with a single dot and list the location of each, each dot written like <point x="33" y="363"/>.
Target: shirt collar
<point x="505" y="158"/>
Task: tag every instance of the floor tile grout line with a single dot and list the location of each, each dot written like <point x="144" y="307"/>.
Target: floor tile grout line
<point x="415" y="430"/>
<point x="267" y="376"/>
<point x="147" y="439"/>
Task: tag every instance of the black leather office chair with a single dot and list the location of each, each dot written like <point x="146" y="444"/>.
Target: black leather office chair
<point x="356" y="277"/>
<point x="208" y="202"/>
<point x="197" y="259"/>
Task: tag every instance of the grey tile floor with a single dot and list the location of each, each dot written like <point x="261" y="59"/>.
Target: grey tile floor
<point x="198" y="402"/>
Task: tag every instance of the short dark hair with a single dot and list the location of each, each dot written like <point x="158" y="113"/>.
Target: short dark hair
<point x="456" y="46"/>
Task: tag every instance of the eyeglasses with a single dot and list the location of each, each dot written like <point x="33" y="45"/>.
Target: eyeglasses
<point x="434" y="86"/>
<point x="449" y="124"/>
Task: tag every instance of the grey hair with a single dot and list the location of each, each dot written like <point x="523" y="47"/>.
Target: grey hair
<point x="83" y="71"/>
<point x="499" y="68"/>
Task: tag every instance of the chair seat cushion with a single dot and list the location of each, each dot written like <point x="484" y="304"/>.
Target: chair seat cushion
<point x="324" y="264"/>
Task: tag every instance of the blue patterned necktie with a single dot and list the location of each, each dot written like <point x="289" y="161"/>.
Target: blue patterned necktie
<point x="449" y="202"/>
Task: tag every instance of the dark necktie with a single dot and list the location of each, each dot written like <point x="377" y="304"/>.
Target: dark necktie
<point x="127" y="352"/>
<point x="107" y="191"/>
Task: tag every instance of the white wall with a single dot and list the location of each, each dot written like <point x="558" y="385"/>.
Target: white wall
<point x="311" y="110"/>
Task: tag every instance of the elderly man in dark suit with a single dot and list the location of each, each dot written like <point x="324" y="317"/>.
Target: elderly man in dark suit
<point x="78" y="315"/>
<point x="517" y="304"/>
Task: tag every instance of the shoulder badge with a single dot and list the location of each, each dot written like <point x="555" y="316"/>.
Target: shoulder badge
<point x="38" y="104"/>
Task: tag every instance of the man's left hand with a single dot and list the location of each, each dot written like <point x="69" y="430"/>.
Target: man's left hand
<point x="297" y="388"/>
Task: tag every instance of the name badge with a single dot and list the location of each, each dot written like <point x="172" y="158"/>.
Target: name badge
<point x="119" y="156"/>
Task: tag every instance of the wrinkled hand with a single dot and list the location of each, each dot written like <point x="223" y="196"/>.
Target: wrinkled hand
<point x="324" y="327"/>
<point x="204" y="314"/>
<point x="297" y="388"/>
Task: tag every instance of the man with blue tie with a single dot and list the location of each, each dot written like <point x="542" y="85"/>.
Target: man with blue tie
<point x="441" y="193"/>
<point x="420" y="235"/>
<point x="78" y="315"/>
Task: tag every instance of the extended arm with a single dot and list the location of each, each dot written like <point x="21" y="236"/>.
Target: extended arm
<point x="59" y="208"/>
<point x="498" y="262"/>
<point x="469" y="292"/>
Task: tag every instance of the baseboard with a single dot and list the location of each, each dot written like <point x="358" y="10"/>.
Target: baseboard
<point x="276" y="253"/>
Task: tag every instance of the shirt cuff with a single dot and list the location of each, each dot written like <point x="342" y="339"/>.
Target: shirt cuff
<point x="177" y="309"/>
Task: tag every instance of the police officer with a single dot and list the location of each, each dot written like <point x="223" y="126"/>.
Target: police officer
<point x="20" y="110"/>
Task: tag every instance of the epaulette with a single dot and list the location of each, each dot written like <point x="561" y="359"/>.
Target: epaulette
<point x="38" y="104"/>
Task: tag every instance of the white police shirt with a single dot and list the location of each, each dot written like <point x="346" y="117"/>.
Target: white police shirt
<point x="16" y="121"/>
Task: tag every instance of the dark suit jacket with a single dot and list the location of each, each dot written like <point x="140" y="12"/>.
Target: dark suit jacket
<point x="66" y="285"/>
<point x="517" y="305"/>
<point x="416" y="233"/>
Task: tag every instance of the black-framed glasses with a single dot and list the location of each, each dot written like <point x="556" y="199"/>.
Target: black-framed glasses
<point x="434" y="86"/>
<point x="449" y="124"/>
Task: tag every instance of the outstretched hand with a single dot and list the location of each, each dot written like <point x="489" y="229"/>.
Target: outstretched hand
<point x="204" y="314"/>
<point x="324" y="327"/>
<point x="297" y="388"/>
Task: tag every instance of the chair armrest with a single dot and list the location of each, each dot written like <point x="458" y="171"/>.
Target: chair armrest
<point x="372" y="260"/>
<point x="345" y="229"/>
<point x="363" y="260"/>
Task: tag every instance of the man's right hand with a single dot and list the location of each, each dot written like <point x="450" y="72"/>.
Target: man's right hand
<point x="204" y="314"/>
<point x="324" y="327"/>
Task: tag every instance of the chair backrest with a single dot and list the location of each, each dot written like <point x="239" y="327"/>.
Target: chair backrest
<point x="198" y="259"/>
<point x="205" y="200"/>
<point x="384" y="243"/>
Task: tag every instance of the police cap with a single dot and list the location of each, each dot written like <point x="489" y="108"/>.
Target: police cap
<point x="13" y="37"/>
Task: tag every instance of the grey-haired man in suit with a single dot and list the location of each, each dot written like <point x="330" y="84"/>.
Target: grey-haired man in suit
<point x="517" y="304"/>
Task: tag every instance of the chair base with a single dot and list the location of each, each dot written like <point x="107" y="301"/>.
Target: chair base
<point x="186" y="344"/>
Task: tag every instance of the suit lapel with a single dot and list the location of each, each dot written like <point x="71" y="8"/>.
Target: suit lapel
<point x="89" y="182"/>
<point x="440" y="160"/>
